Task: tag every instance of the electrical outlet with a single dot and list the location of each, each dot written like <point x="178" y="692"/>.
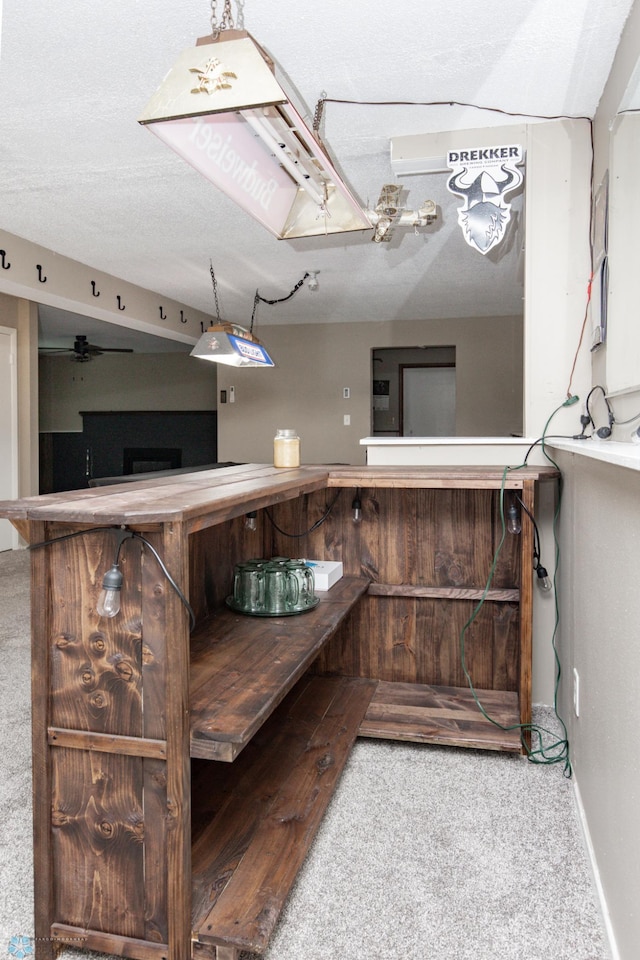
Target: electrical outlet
<point x="232" y="394"/>
<point x="576" y="692"/>
<point x="346" y="393"/>
<point x="347" y="420"/>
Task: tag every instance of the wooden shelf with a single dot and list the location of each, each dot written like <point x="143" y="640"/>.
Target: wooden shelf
<point x="245" y="859"/>
<point x="447" y="715"/>
<point x="242" y="667"/>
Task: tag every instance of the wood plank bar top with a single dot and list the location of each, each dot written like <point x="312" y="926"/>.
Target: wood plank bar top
<point x="242" y="667"/>
<point x="481" y="477"/>
<point x="246" y="859"/>
<point x="203" y="498"/>
<point x="445" y="715"/>
<point x="210" y="496"/>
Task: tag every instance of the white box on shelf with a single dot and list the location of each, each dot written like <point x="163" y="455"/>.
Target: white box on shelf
<point x="325" y="573"/>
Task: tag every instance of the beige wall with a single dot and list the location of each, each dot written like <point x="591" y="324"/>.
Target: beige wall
<point x="600" y="568"/>
<point x="136" y="381"/>
<point x="600" y="617"/>
<point x="315" y="362"/>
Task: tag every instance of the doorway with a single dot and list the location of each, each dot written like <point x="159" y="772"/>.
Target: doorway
<point x="414" y="391"/>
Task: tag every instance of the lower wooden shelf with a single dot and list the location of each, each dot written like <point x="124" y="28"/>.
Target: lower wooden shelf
<point x="246" y="856"/>
<point x="447" y="715"/>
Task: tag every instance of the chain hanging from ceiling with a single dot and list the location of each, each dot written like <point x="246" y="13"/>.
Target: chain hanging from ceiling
<point x="226" y="21"/>
<point x="215" y="290"/>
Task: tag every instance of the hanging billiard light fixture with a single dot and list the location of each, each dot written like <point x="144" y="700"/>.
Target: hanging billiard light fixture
<point x="222" y="110"/>
<point x="230" y="343"/>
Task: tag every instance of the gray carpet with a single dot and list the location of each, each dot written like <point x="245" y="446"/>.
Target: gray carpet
<point x="425" y="853"/>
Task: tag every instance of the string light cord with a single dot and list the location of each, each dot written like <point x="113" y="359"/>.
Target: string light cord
<point x="314" y="526"/>
<point x="258" y="299"/>
<point x="319" y="110"/>
<point x="123" y="534"/>
<point x="612" y="418"/>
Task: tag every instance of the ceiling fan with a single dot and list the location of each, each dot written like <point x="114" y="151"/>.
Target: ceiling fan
<point x="82" y="351"/>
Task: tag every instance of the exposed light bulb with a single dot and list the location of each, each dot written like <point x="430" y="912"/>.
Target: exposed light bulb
<point x="250" y="520"/>
<point x="513" y="520"/>
<point x="356" y="507"/>
<point x="544" y="580"/>
<point x="108" y="604"/>
<point x="313" y="284"/>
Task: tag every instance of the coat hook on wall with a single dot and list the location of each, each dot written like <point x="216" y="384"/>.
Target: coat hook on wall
<point x="163" y="315"/>
<point x="93" y="289"/>
<point x="201" y="327"/>
<point x="183" y="319"/>
<point x="40" y="277"/>
<point x="7" y="265"/>
<point x="120" y="303"/>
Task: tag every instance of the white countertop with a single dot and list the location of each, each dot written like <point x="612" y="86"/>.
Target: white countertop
<point x="608" y="451"/>
<point x="444" y="441"/>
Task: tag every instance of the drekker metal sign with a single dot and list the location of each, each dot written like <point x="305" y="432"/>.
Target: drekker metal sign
<point x="483" y="177"/>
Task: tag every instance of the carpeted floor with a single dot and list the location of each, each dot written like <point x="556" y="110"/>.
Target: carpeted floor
<point x="426" y="853"/>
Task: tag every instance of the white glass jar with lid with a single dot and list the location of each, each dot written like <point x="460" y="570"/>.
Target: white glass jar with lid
<point x="286" y="448"/>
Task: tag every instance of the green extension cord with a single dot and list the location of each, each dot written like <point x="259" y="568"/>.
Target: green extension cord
<point x="546" y="747"/>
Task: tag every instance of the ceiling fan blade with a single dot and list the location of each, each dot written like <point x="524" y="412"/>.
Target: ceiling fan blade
<point x="111" y="349"/>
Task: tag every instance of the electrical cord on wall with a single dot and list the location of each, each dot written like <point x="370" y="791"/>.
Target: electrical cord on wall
<point x="546" y="746"/>
<point x="123" y="534"/>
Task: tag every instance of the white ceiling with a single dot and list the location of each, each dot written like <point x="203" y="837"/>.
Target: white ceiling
<point x="80" y="176"/>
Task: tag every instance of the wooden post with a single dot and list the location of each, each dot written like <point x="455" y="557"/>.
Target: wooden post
<point x="40" y="673"/>
<point x="178" y="864"/>
<point x="526" y="608"/>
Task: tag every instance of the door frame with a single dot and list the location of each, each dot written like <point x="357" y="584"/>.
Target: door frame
<point x="12" y="333"/>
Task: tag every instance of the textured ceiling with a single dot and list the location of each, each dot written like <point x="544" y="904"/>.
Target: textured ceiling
<point x="81" y="177"/>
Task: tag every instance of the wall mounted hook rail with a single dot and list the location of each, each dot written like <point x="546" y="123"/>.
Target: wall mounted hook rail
<point x="40" y="277"/>
<point x="3" y="261"/>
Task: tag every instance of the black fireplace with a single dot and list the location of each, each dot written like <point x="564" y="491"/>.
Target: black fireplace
<point x="146" y="459"/>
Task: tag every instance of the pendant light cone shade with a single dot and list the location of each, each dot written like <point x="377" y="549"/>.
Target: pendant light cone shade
<point x="222" y="110"/>
<point x="233" y="345"/>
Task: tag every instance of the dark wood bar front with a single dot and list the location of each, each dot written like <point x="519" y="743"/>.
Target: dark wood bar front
<point x="181" y="769"/>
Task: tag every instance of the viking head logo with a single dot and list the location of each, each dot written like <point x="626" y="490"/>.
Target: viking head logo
<point x="485" y="214"/>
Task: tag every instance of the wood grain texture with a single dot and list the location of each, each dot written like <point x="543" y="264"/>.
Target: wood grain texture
<point x="96" y="681"/>
<point x="107" y="743"/>
<point x="97" y="828"/>
<point x="242" y="667"/>
<point x="108" y="943"/>
<point x="246" y="862"/>
<point x="441" y="593"/>
<point x="445" y="715"/>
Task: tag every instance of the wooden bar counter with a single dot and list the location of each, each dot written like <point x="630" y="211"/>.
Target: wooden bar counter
<point x="181" y="768"/>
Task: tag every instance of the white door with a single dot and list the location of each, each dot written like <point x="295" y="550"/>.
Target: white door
<point x="429" y="401"/>
<point x="8" y="430"/>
